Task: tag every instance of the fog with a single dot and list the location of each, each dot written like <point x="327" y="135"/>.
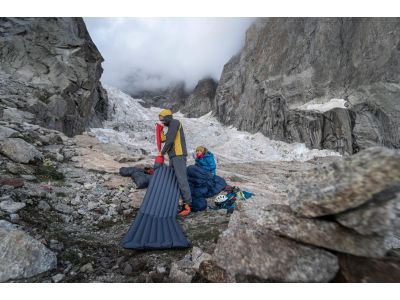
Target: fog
<point x="151" y="53"/>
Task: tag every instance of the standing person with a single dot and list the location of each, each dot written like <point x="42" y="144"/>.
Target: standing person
<point x="175" y="147"/>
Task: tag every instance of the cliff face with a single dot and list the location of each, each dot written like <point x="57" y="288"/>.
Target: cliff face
<point x="49" y="74"/>
<point x="289" y="63"/>
<point x="201" y="99"/>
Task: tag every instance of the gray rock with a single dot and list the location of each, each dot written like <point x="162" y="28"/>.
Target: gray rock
<point x="128" y="269"/>
<point x="248" y="254"/>
<point x="19" y="151"/>
<point x="161" y="270"/>
<point x="43" y="205"/>
<point x="288" y="62"/>
<point x="58" y="278"/>
<point x="211" y="272"/>
<point x="326" y="234"/>
<point x="346" y="184"/>
<point x="14" y="218"/>
<point x="6" y="132"/>
<point x="88" y="268"/>
<point x="182" y="271"/>
<point x="19" y="169"/>
<point x="11" y="207"/>
<point x="16" y="115"/>
<point x="29" y="177"/>
<point x="76" y="200"/>
<point x="380" y="215"/>
<point x="198" y="256"/>
<point x="22" y="256"/>
<point x="63" y="208"/>
<point x="56" y="245"/>
<point x="55" y="84"/>
<point x="92" y="205"/>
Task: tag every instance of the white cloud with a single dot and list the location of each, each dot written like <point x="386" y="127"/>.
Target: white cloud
<point x="159" y="51"/>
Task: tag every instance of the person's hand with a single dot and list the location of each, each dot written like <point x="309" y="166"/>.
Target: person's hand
<point x="160" y="154"/>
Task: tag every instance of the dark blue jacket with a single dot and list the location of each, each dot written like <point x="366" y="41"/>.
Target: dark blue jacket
<point x="207" y="162"/>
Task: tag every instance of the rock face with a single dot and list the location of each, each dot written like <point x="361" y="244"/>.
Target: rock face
<point x="347" y="184"/>
<point x="20" y="151"/>
<point x="289" y="63"/>
<point x="201" y="99"/>
<point x="21" y="255"/>
<point x="49" y="74"/>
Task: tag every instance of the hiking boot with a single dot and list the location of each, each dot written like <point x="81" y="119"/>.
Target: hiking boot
<point x="185" y="210"/>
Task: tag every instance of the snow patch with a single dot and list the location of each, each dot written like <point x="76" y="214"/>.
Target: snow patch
<point x="323" y="107"/>
<point x="132" y="126"/>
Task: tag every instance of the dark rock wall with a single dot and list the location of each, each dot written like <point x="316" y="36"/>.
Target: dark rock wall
<point x="49" y="74"/>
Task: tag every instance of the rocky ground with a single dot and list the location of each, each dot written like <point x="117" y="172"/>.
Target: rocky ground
<point x="64" y="210"/>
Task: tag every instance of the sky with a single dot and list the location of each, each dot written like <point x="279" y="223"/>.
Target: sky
<point x="149" y="53"/>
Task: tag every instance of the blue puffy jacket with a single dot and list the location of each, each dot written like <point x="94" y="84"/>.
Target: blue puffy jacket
<point x="207" y="162"/>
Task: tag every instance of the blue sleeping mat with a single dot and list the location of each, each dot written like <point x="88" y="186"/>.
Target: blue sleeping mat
<point x="155" y="226"/>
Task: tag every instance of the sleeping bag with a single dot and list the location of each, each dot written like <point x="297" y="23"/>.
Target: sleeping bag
<point x="203" y="185"/>
<point x="138" y="175"/>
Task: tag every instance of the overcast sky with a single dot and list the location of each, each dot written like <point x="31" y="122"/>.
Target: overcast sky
<point x="152" y="52"/>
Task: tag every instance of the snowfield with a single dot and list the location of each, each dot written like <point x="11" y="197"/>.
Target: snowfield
<point x="323" y="107"/>
<point x="132" y="126"/>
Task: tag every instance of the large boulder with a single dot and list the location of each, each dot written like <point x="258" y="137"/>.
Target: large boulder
<point x="249" y="253"/>
<point x="321" y="233"/>
<point x="20" y="151"/>
<point x="49" y="74"/>
<point x="21" y="255"/>
<point x="290" y="72"/>
<point x="346" y="184"/>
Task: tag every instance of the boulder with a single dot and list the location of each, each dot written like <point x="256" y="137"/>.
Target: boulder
<point x="182" y="271"/>
<point x="211" y="272"/>
<point x="21" y="255"/>
<point x="6" y="132"/>
<point x="251" y="255"/>
<point x="346" y="184"/>
<point x="321" y="233"/>
<point x="380" y="215"/>
<point x="20" y="151"/>
<point x="10" y="206"/>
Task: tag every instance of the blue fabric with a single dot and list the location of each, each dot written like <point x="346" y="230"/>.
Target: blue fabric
<point x="203" y="185"/>
<point x="155" y="225"/>
<point x="207" y="162"/>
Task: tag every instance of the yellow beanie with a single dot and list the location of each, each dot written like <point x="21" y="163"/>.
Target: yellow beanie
<point x="202" y="149"/>
<point x="166" y="112"/>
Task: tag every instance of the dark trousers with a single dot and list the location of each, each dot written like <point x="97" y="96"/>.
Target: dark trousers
<point x="179" y="165"/>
